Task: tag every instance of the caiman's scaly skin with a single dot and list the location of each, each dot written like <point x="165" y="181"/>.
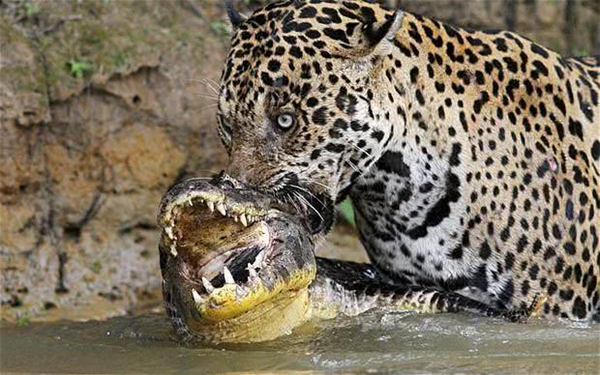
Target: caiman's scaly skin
<point x="226" y="281"/>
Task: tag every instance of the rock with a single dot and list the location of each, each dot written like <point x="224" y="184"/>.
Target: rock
<point x="99" y="116"/>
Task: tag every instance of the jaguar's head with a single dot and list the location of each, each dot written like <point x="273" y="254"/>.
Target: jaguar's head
<point x="297" y="109"/>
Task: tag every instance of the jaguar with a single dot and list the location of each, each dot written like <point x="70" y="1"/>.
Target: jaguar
<point x="471" y="157"/>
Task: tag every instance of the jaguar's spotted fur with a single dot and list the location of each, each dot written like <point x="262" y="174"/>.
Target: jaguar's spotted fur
<point x="472" y="158"/>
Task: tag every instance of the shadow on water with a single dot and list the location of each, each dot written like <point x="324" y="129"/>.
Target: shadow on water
<point x="374" y="341"/>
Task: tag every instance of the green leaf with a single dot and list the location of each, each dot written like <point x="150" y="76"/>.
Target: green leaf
<point x="79" y="68"/>
<point x="347" y="211"/>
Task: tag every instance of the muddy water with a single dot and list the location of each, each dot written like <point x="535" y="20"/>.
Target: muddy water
<point x="372" y="342"/>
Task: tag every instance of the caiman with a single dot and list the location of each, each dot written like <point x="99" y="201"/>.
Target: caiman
<point x="238" y="266"/>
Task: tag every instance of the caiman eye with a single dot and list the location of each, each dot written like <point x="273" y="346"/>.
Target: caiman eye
<point x="285" y="121"/>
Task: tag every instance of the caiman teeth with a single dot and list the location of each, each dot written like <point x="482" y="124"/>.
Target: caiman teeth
<point x="207" y="285"/>
<point x="228" y="277"/>
<point x="259" y="259"/>
<point x="196" y="296"/>
<point x="245" y="218"/>
<point x="221" y="209"/>
<point x="251" y="271"/>
<point x="169" y="231"/>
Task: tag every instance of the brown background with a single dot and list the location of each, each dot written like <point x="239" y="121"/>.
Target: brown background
<point x="104" y="104"/>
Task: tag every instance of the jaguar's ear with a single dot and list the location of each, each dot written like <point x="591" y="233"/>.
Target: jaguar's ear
<point x="375" y="33"/>
<point x="235" y="18"/>
<point x="378" y="37"/>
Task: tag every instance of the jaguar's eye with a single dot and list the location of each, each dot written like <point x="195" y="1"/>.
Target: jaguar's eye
<point x="285" y="120"/>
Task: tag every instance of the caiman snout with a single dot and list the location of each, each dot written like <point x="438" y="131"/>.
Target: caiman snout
<point x="231" y="258"/>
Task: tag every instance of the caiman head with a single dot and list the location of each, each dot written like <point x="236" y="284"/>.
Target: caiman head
<point x="236" y="267"/>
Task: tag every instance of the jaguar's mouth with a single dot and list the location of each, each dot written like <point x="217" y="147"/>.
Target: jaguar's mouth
<point x="313" y="206"/>
<point x="227" y="253"/>
<point x="319" y="212"/>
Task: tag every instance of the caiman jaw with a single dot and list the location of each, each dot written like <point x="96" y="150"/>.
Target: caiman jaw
<point x="227" y="262"/>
